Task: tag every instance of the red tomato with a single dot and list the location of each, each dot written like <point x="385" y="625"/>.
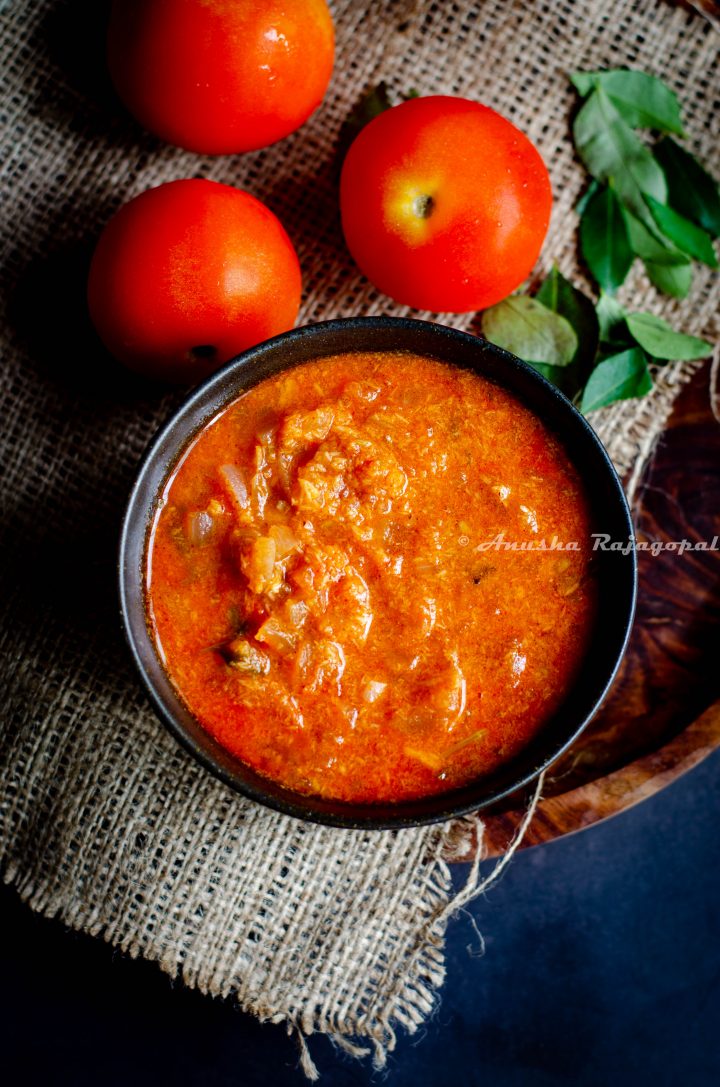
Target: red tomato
<point x="189" y="274"/>
<point x="221" y="76"/>
<point x="445" y="204"/>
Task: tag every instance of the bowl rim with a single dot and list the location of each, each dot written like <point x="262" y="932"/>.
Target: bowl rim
<point x="349" y="815"/>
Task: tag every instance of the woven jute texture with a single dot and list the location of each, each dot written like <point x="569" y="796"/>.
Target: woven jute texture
<point x="104" y="822"/>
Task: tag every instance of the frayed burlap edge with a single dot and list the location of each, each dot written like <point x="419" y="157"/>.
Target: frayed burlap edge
<point x="414" y="994"/>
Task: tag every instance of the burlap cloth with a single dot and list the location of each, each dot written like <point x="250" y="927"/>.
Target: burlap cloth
<point x="104" y="821"/>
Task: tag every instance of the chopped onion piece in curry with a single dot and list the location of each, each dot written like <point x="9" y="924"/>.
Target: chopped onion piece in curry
<point x="199" y="527"/>
<point x="236" y="487"/>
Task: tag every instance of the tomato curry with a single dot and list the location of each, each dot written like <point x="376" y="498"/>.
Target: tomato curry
<point x="368" y="577"/>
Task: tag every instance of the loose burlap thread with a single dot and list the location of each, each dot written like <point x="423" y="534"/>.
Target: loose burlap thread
<point x="104" y="821"/>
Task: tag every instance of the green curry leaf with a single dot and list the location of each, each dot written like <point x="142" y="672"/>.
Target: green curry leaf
<point x="661" y="341"/>
<point x="647" y="245"/>
<point x="643" y="100"/>
<point x="672" y="279"/>
<point x="612" y="152"/>
<point x="530" y="330"/>
<point x="618" y="377"/>
<point x="587" y="196"/>
<point x="686" y="235"/>
<point x="604" y="240"/>
<point x="691" y="189"/>
<point x="560" y="296"/>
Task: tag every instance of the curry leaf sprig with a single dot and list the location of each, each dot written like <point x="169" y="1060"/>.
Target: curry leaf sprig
<point x="657" y="204"/>
<point x="596" y="354"/>
<point x="653" y="203"/>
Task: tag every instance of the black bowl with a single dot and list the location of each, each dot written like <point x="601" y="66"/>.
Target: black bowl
<point x="616" y="571"/>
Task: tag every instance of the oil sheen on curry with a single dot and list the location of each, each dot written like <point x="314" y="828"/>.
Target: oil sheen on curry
<point x="331" y="586"/>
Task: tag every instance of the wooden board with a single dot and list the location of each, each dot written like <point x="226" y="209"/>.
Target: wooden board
<point x="662" y="715"/>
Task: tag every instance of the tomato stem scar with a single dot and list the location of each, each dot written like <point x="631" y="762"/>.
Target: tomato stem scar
<point x="423" y="206"/>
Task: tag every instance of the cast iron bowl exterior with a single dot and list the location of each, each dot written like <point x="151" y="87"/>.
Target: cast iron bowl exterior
<point x="616" y="572"/>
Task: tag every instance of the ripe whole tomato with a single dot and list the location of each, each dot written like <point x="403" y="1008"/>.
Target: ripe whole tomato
<point x="187" y="275"/>
<point x="445" y="204"/>
<point x="221" y="76"/>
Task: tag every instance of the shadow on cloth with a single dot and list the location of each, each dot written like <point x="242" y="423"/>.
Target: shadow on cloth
<point x="72" y="41"/>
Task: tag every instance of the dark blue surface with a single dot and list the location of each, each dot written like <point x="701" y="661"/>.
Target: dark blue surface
<point x="602" y="967"/>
